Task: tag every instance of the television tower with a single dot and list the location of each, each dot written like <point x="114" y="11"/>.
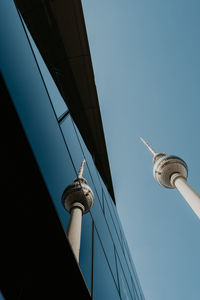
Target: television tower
<point x="171" y="171"/>
<point x="77" y="199"/>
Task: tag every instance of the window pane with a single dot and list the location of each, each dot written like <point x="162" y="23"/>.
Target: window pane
<point x="124" y="290"/>
<point x="124" y="265"/>
<point x="72" y="143"/>
<point x="114" y="213"/>
<point x="91" y="166"/>
<point x="96" y="210"/>
<point x="129" y="270"/>
<point x="135" y="285"/>
<point x="111" y="206"/>
<point x="105" y="236"/>
<point x="35" y="111"/>
<point x="78" y="155"/>
<point x="110" y="217"/>
<point x="104" y="287"/>
<point x="115" y="238"/>
<point x="56" y="98"/>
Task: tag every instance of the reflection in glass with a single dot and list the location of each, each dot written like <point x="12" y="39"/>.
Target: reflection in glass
<point x="124" y="290"/>
<point x="112" y="224"/>
<point x="31" y="101"/>
<point x="85" y="256"/>
<point x="72" y="143"/>
<point x="114" y="235"/>
<point x="114" y="214"/>
<point x="77" y="154"/>
<point x="56" y="99"/>
<point x="124" y="265"/>
<point x="91" y="166"/>
<point x="104" y="235"/>
<point x="131" y="267"/>
<point x="104" y="287"/>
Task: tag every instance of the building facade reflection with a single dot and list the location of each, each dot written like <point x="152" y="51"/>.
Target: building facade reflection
<point x="58" y="147"/>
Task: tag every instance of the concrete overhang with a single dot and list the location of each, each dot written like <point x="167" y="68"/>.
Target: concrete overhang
<point x="58" y="29"/>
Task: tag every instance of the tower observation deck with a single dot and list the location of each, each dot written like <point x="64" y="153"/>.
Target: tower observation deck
<point x="171" y="171"/>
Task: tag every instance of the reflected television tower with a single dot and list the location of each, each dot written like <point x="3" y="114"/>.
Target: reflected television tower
<point x="77" y="199"/>
<point x="171" y="171"/>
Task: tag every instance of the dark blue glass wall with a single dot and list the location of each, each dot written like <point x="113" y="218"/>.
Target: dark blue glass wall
<point x="58" y="147"/>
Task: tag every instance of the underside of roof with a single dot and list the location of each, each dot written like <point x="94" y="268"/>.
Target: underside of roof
<point x="58" y="29"/>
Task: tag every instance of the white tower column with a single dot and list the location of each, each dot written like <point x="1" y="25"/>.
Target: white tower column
<point x="77" y="199"/>
<point x="171" y="171"/>
<point x="189" y="194"/>
<point x="74" y="228"/>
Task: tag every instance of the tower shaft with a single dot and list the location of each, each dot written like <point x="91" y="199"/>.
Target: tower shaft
<point x="189" y="194"/>
<point x="74" y="230"/>
<point x="171" y="171"/>
<point x="77" y="199"/>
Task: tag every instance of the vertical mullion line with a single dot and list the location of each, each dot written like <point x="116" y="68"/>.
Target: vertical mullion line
<point x="106" y="201"/>
<point x="73" y="123"/>
<point x="103" y="201"/>
<point x="86" y="161"/>
<point x="117" y="271"/>
<point x="92" y="258"/>
<point x="22" y="22"/>
<point x="134" y="290"/>
<point x="128" y="286"/>
<point x="36" y="61"/>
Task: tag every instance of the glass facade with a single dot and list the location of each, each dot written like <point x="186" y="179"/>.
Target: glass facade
<point x="58" y="147"/>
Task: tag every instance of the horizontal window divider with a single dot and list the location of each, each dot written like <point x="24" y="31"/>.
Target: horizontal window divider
<point x="63" y="116"/>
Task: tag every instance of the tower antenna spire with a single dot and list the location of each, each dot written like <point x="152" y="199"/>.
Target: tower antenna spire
<point x="148" y="146"/>
<point x="171" y="171"/>
<point x="80" y="173"/>
<point x="77" y="199"/>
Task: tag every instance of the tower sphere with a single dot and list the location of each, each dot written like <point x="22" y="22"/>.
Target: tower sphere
<point x="167" y="165"/>
<point x="78" y="194"/>
<point x="171" y="171"/>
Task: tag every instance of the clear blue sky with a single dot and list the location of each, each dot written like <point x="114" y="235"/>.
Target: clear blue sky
<point x="146" y="59"/>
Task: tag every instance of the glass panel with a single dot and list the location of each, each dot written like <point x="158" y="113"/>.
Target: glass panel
<point x="127" y="274"/>
<point x="136" y="287"/>
<point x="104" y="234"/>
<point x="130" y="268"/>
<point x="96" y="210"/>
<point x="103" y="284"/>
<point x="111" y="206"/>
<point x="115" y="216"/>
<point x="85" y="257"/>
<point x="111" y="226"/>
<point x="56" y="98"/>
<point x="91" y="166"/>
<point x="77" y="155"/>
<point x="110" y="216"/>
<point x="136" y="292"/>
<point x="31" y="101"/>
<point x="124" y="290"/>
<point x="73" y="144"/>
